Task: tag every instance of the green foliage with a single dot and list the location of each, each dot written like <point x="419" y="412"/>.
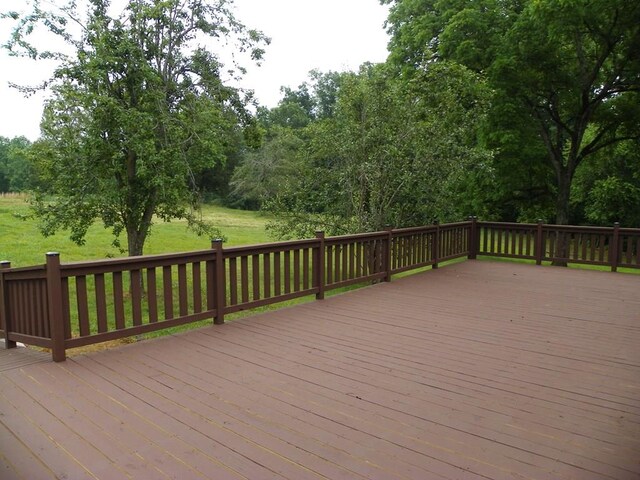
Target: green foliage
<point x="135" y="115"/>
<point x="612" y="199"/>
<point x="23" y="246"/>
<point x="278" y="164"/>
<point x="606" y="189"/>
<point x="393" y="152"/>
<point x="16" y="173"/>
<point x="260" y="175"/>
<point x="565" y="76"/>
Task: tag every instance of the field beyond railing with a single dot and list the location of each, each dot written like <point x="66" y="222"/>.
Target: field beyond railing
<point x="62" y="306"/>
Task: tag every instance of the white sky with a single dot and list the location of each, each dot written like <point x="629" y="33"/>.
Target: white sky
<point x="306" y="34"/>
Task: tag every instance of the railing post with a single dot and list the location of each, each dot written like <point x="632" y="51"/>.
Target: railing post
<point x="54" y="302"/>
<point x="5" y="322"/>
<point x="221" y="291"/>
<point x="319" y="273"/>
<point x="473" y="242"/>
<point x="539" y="247"/>
<point x="614" y="247"/>
<point x="387" y="253"/>
<point x="436" y="245"/>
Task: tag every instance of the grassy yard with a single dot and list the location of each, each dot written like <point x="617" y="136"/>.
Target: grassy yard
<point x="23" y="245"/>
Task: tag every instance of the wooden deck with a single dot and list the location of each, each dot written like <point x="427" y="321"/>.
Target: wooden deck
<point x="478" y="370"/>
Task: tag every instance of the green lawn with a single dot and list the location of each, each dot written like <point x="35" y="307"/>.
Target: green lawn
<point x="23" y="245"/>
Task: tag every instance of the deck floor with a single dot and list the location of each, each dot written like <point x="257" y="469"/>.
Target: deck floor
<point x="479" y="370"/>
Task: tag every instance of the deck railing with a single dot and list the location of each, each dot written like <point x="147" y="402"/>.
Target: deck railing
<point x="62" y="306"/>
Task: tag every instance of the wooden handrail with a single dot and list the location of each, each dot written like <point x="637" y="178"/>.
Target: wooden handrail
<point x="185" y="287"/>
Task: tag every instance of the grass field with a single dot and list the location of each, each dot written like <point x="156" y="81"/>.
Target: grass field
<point x="22" y="244"/>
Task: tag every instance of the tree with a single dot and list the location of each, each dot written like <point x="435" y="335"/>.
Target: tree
<point x="16" y="173"/>
<point x="259" y="177"/>
<point x="392" y="152"/>
<point x="569" y="70"/>
<point x="573" y="70"/>
<point x="266" y="171"/>
<point x="137" y="112"/>
<point x="607" y="189"/>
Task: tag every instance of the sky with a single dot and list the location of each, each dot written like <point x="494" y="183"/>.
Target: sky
<point x="305" y="34"/>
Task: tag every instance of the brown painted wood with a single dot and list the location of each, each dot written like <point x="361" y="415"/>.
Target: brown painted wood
<point x="255" y="277"/>
<point x="167" y="292"/>
<point x="296" y="270"/>
<point x="233" y="281"/>
<point x="196" y="282"/>
<point x="329" y="264"/>
<point x="244" y="278"/>
<point x="266" y="277"/>
<point x="118" y="300"/>
<point x="66" y="311"/>
<point x="287" y="271"/>
<point x="532" y="373"/>
<point x="136" y="297"/>
<point x="277" y="268"/>
<point x="183" y="295"/>
<point x="101" y="303"/>
<point x="306" y="272"/>
<point x="152" y="295"/>
<point x="83" y="309"/>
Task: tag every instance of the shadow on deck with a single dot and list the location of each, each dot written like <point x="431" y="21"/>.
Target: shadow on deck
<point x="477" y="370"/>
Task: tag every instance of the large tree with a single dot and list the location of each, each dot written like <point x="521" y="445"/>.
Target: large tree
<point x="569" y="71"/>
<point x="16" y="174"/>
<point x="136" y="113"/>
<point x="391" y="152"/>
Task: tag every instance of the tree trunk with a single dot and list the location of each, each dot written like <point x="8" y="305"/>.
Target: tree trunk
<point x="562" y="216"/>
<point x="135" y="240"/>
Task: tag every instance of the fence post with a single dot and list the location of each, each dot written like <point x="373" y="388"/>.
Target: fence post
<point x="473" y="241"/>
<point x="614" y="247"/>
<point x="387" y="253"/>
<point x="54" y="302"/>
<point x="436" y="245"/>
<point x="539" y="247"/>
<point x="221" y="291"/>
<point x="4" y="307"/>
<point x="319" y="273"/>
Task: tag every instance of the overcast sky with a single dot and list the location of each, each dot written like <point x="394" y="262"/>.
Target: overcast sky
<point x="306" y="34"/>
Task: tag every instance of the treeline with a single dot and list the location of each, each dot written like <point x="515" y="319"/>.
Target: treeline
<point x="506" y="109"/>
<point x="16" y="171"/>
<point x="509" y="110"/>
<point x="350" y="152"/>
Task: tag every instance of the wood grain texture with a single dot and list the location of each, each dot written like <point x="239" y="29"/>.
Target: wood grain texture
<point x="478" y="370"/>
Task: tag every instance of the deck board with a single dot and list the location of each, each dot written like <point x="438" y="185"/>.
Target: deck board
<point x="478" y="370"/>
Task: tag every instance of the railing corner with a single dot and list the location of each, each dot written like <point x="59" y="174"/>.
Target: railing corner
<point x="5" y="323"/>
<point x="539" y="247"/>
<point x="614" y="248"/>
<point x="54" y="301"/>
<point x="473" y="238"/>
<point x="320" y="280"/>
<point x="220" y="289"/>
<point x="436" y="245"/>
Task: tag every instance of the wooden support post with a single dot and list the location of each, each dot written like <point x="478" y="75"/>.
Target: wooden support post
<point x="473" y="238"/>
<point x="387" y="253"/>
<point x="220" y="289"/>
<point x="614" y="248"/>
<point x="5" y="319"/>
<point x="54" y="302"/>
<point x="319" y="270"/>
<point x="539" y="247"/>
<point x="436" y="245"/>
